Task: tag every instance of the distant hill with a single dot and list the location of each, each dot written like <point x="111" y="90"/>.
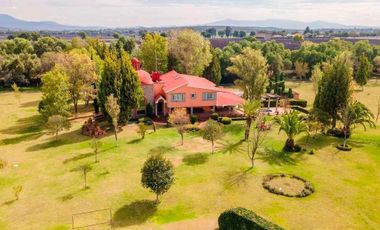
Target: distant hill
<point x="283" y="24"/>
<point x="11" y="23"/>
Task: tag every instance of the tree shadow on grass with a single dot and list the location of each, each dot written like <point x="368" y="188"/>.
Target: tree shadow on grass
<point x="229" y="147"/>
<point x="236" y="178"/>
<point x="32" y="124"/>
<point x="195" y="159"/>
<point x="234" y="128"/>
<point x="134" y="213"/>
<point x="161" y="149"/>
<point x="78" y="157"/>
<point x="135" y="141"/>
<point x="30" y="104"/>
<point x="9" y="202"/>
<point x="21" y="138"/>
<point x="274" y="157"/>
<point x="68" y="138"/>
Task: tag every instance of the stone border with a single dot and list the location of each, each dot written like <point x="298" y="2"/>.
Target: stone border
<point x="345" y="149"/>
<point x="307" y="190"/>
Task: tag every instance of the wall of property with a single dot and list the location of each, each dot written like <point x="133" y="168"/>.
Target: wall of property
<point x="189" y="102"/>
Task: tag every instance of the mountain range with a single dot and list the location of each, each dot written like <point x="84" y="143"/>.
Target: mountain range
<point x="8" y="22"/>
<point x="12" y="23"/>
<point x="283" y="24"/>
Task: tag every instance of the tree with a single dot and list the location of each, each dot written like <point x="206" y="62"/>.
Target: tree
<point x="376" y="61"/>
<point x="292" y="125"/>
<point x="120" y="79"/>
<point x="179" y="118"/>
<point x="154" y="53"/>
<point x="228" y="31"/>
<point x="81" y="73"/>
<point x="113" y="110"/>
<point x="57" y="123"/>
<point x="55" y="94"/>
<point x="316" y="77"/>
<point x="250" y="109"/>
<point x="363" y="72"/>
<point x="191" y="50"/>
<point x="242" y="34"/>
<point x="16" y="191"/>
<point x="298" y="38"/>
<point x="212" y="131"/>
<point x="142" y="129"/>
<point x="307" y="30"/>
<point x="251" y="68"/>
<point x="157" y="175"/>
<point x="354" y="114"/>
<point x="125" y="44"/>
<point x="301" y="69"/>
<point x="257" y="139"/>
<point x="221" y="33"/>
<point x="96" y="145"/>
<point x="213" y="71"/>
<point x="85" y="169"/>
<point x="16" y="91"/>
<point x="336" y="87"/>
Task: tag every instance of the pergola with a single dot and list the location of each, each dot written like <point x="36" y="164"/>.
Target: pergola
<point x="270" y="97"/>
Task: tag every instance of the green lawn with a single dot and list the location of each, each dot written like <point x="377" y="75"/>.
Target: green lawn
<point x="347" y="183"/>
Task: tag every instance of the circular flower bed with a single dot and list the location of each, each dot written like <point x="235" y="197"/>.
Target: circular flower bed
<point x="287" y="185"/>
<point x="344" y="148"/>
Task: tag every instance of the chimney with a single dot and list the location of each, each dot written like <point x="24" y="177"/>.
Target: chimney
<point x="136" y="64"/>
<point x="156" y="76"/>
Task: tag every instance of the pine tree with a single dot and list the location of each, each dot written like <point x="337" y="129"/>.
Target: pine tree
<point x="363" y="71"/>
<point x="213" y="72"/>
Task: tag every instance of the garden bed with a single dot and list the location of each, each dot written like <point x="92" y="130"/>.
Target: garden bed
<point x="346" y="148"/>
<point x="287" y="185"/>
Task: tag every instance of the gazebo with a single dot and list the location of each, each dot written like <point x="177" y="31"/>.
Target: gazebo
<point x="272" y="97"/>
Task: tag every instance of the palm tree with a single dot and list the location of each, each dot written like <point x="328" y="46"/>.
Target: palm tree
<point x="292" y="125"/>
<point x="354" y="114"/>
<point x="250" y="108"/>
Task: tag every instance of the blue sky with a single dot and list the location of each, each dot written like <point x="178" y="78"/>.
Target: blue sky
<point x="122" y="13"/>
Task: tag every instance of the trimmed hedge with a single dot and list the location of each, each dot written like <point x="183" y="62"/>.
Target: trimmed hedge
<point x="300" y="109"/>
<point x="298" y="102"/>
<point x="244" y="219"/>
<point x="226" y="120"/>
<point x="215" y="116"/>
<point x="193" y="119"/>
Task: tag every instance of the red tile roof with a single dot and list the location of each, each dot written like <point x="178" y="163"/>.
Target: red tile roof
<point x="228" y="99"/>
<point x="144" y="77"/>
<point x="174" y="80"/>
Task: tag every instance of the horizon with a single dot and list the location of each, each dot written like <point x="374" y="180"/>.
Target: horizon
<point x="162" y="13"/>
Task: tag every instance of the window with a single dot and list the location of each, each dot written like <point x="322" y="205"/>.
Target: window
<point x="208" y="96"/>
<point x="193" y="96"/>
<point x="178" y="97"/>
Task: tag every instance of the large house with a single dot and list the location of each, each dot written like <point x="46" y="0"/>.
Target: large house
<point x="174" y="90"/>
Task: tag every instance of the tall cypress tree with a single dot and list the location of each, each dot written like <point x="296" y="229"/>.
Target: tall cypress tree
<point x="120" y="79"/>
<point x="213" y="72"/>
<point x="363" y="71"/>
<point x="335" y="87"/>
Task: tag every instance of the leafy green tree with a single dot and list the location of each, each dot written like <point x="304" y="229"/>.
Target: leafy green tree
<point x="221" y="33"/>
<point x="154" y="53"/>
<point x="191" y="50"/>
<point x="81" y="73"/>
<point x="213" y="71"/>
<point x="292" y="125"/>
<point x="335" y="88"/>
<point x="125" y="44"/>
<point x="316" y="77"/>
<point x="157" y="175"/>
<point x="113" y="110"/>
<point x="212" y="132"/>
<point x="56" y="124"/>
<point x="55" y="94"/>
<point x="361" y="48"/>
<point x="363" y="72"/>
<point x="142" y="129"/>
<point x="179" y="118"/>
<point x="96" y="145"/>
<point x="298" y="38"/>
<point x="355" y="114"/>
<point x="250" y="109"/>
<point x="301" y="69"/>
<point x="256" y="139"/>
<point x="251" y="68"/>
<point x="228" y="31"/>
<point x="16" y="91"/>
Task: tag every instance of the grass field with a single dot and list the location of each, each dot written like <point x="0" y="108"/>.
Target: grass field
<point x="347" y="183"/>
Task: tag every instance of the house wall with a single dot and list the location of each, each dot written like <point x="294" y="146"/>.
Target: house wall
<point x="148" y="93"/>
<point x="197" y="102"/>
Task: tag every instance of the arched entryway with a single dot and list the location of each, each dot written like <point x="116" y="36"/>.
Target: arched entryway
<point x="160" y="109"/>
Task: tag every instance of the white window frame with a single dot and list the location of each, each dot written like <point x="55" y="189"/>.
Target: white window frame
<point x="210" y="96"/>
<point x="178" y="97"/>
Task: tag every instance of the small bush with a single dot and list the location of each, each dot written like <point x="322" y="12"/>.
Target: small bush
<point x="298" y="102"/>
<point x="290" y="93"/>
<point x="193" y="119"/>
<point x="300" y="109"/>
<point x="192" y="128"/>
<point x="241" y="219"/>
<point x="215" y="116"/>
<point x="41" y="106"/>
<point x="146" y="120"/>
<point x="226" y="120"/>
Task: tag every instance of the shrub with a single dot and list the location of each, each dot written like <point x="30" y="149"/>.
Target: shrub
<point x="226" y="120"/>
<point x="149" y="110"/>
<point x="290" y="93"/>
<point x="193" y="119"/>
<point x="192" y="128"/>
<point x="146" y="120"/>
<point x="300" y="109"/>
<point x="215" y="116"/>
<point x="298" y="102"/>
<point x="41" y="106"/>
<point x="241" y="218"/>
